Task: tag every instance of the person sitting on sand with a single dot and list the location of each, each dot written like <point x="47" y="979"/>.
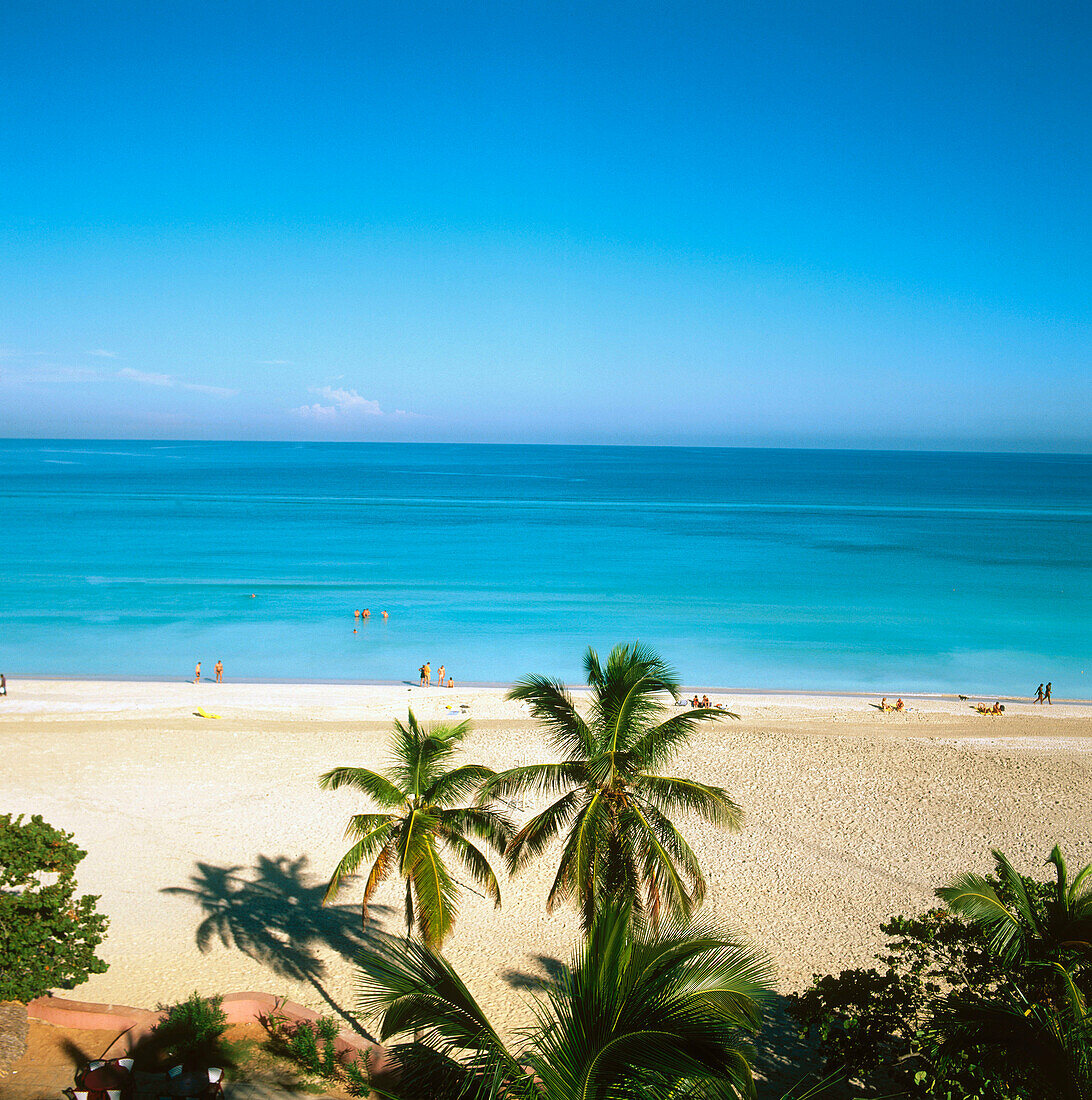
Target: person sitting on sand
<point x="883" y="704"/>
<point x="705" y="702"/>
<point x="695" y="702"/>
<point x="450" y="682"/>
<point x="898" y="704"/>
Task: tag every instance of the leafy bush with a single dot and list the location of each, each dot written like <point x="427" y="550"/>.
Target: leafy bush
<point x="48" y="936"/>
<point x="884" y="1026"/>
<point x="192" y="1032"/>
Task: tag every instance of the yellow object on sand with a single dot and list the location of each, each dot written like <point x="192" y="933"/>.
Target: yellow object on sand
<point x="202" y="713"/>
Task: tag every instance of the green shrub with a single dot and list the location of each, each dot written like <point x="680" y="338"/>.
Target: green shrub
<point x="48" y="936"/>
<point x="313" y="1047"/>
<point x="193" y="1031"/>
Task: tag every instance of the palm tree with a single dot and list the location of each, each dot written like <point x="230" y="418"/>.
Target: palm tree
<point x="1023" y="926"/>
<point x="420" y="819"/>
<point x="619" y="840"/>
<point x="637" y="1013"/>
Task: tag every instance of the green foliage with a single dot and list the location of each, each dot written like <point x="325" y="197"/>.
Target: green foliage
<point x="615" y="808"/>
<point x="193" y="1031"/>
<point x="959" y="991"/>
<point x="421" y="822"/>
<point x="313" y="1047"/>
<point x="639" y="1012"/>
<point x="48" y="936"/>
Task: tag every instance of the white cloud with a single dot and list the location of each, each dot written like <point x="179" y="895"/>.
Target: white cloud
<point x="145" y="377"/>
<point x="102" y="353"/>
<point x="343" y="404"/>
<point x="148" y="378"/>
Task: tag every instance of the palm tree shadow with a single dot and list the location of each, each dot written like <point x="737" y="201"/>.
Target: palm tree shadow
<point x="273" y="914"/>
<point x="785" y="1059"/>
<point x="536" y="982"/>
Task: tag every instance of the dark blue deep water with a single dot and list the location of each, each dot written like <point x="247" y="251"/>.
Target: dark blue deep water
<point x="758" y="568"/>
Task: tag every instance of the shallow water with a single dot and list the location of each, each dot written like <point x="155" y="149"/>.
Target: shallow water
<point x="764" y="568"/>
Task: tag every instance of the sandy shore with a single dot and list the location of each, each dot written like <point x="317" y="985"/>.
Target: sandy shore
<point x="196" y="828"/>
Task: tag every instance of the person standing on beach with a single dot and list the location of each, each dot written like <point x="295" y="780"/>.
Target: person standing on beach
<point x="1046" y="694"/>
<point x="440" y="677"/>
<point x="423" y="667"/>
<point x="218" y="668"/>
<point x="1039" y="694"/>
<point x="3" y="684"/>
<point x="197" y="673"/>
<point x="428" y="674"/>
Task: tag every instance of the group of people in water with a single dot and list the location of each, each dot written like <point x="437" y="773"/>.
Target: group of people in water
<point x="365" y="613"/>
<point x="426" y="676"/>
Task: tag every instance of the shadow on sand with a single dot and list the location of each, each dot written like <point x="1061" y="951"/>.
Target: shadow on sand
<point x="273" y="914"/>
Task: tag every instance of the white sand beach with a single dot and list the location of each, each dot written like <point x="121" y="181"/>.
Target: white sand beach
<point x="851" y="816"/>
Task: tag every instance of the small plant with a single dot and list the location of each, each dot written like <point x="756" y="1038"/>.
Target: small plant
<point x="193" y="1031"/>
<point x="313" y="1047"/>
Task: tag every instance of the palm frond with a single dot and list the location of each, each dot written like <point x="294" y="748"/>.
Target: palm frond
<point x="375" y="786"/>
<point x="456" y="785"/>
<point x="670" y="793"/>
<point x="409" y="987"/>
<point x="435" y="892"/>
<point x="420" y="752"/>
<point x="495" y="828"/>
<point x="660" y="744"/>
<point x="368" y="844"/>
<point x="538" y="833"/>
<point x="972" y="896"/>
<point x="658" y="865"/>
<point x="381" y="868"/>
<point x="628" y="693"/>
<point x="533" y="778"/>
<point x="552" y="705"/>
<point x="640" y="1016"/>
<point x="476" y="864"/>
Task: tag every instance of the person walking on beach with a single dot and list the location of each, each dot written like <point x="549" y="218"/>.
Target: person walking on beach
<point x="1046" y="693"/>
<point x="1039" y="694"/>
<point x="218" y="668"/>
<point x="3" y="684"/>
<point x="197" y="673"/>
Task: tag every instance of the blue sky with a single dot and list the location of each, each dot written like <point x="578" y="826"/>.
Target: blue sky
<point x="846" y="224"/>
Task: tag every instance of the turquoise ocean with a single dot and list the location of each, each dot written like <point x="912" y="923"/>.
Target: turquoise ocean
<point x="835" y="570"/>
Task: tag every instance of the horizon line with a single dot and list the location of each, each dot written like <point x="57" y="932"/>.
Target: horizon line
<point x="508" y="443"/>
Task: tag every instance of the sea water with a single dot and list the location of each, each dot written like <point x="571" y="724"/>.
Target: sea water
<point x="835" y="570"/>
